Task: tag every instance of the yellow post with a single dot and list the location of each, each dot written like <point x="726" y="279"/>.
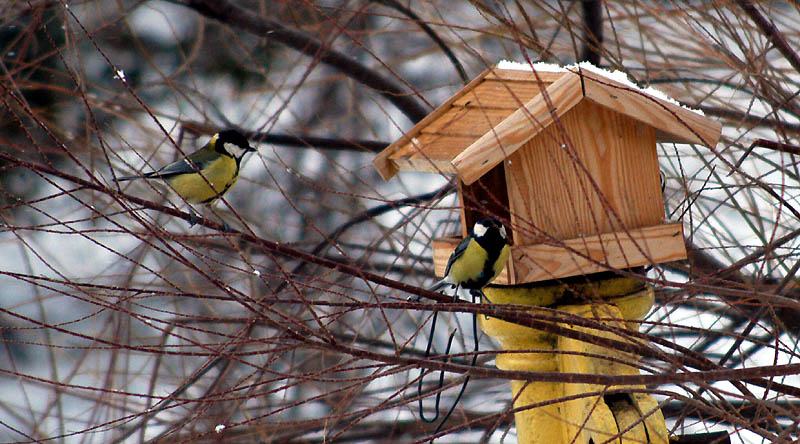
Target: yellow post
<point x="626" y="418"/>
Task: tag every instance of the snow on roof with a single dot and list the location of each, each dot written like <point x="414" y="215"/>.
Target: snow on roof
<point x="538" y="66"/>
<point x="616" y="75"/>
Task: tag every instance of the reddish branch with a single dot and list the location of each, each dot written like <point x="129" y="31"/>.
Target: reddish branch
<point x="527" y="319"/>
<point x="769" y="144"/>
<point x="771" y="32"/>
<point x="745" y="117"/>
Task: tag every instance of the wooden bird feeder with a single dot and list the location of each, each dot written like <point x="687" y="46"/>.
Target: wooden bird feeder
<point x="574" y="170"/>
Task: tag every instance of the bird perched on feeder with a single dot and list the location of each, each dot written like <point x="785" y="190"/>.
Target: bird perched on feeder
<point x="479" y="258"/>
<point x="208" y="173"/>
<point x="475" y="263"/>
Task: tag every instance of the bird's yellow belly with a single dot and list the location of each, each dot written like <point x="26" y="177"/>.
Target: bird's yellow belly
<point x="469" y="265"/>
<point x="501" y="261"/>
<point x="219" y="177"/>
<point x="471" y="269"/>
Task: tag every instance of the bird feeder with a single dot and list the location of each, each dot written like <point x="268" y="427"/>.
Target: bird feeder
<point x="567" y="156"/>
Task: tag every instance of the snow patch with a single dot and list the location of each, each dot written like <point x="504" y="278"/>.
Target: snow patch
<point x="538" y="66"/>
<point x="616" y="75"/>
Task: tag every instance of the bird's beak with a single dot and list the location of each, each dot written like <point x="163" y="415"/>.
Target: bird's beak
<point x="250" y="149"/>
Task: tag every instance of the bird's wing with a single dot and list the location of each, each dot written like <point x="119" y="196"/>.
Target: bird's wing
<point x="200" y="159"/>
<point x="460" y="249"/>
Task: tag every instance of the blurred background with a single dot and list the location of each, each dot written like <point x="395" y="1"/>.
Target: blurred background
<point x="121" y="323"/>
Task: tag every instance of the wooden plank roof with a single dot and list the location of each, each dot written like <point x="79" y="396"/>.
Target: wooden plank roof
<point x="500" y="110"/>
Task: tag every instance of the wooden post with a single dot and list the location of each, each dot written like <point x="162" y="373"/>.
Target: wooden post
<point x="588" y="415"/>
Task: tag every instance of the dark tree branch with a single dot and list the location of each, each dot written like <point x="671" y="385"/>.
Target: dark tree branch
<point x="769" y="144"/>
<point x="268" y="245"/>
<point x="299" y="141"/>
<point x="324" y="143"/>
<point x="394" y="4"/>
<point x="232" y="15"/>
<point x="739" y="116"/>
<point x="771" y="32"/>
<point x="702" y="438"/>
<point x="593" y="31"/>
<point x="781" y="408"/>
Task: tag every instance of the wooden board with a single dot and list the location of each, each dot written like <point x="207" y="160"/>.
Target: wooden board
<point x="420" y="164"/>
<point x="497" y="89"/>
<point x="594" y="254"/>
<point x="673" y="122"/>
<point x="580" y="256"/>
<point x="433" y="146"/>
<point x="387" y="168"/>
<point x="518" y="75"/>
<point x="501" y="94"/>
<point x="467" y="121"/>
<point x="519" y="127"/>
<point x="602" y="178"/>
<point x="381" y="161"/>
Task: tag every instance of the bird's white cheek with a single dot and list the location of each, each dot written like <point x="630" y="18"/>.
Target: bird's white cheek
<point x="233" y="150"/>
<point x="479" y="230"/>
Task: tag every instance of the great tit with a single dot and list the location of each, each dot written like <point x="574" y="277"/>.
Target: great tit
<point x="217" y="163"/>
<point x="479" y="258"/>
<point x="476" y="262"/>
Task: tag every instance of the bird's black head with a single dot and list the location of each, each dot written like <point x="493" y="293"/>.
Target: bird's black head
<point x="490" y="232"/>
<point x="232" y="143"/>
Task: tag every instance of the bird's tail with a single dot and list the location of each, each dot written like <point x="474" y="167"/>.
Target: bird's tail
<point x="435" y="287"/>
<point x="439" y="285"/>
<point x="150" y="175"/>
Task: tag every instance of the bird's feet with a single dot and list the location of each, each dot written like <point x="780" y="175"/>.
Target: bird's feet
<point x="477" y="297"/>
<point x="477" y="294"/>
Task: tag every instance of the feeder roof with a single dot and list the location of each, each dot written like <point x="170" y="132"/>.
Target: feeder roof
<point x="502" y="109"/>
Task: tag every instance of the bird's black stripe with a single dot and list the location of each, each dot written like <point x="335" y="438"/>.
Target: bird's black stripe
<point x="493" y="243"/>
